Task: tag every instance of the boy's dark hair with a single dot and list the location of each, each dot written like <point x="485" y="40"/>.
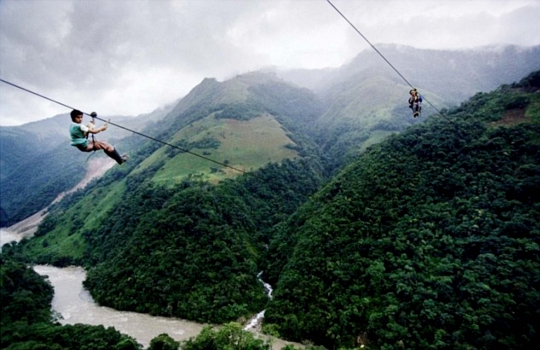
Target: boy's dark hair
<point x="74" y="113"/>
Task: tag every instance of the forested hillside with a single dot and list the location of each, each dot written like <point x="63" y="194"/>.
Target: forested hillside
<point x="194" y="252"/>
<point x="428" y="240"/>
<point x="190" y="251"/>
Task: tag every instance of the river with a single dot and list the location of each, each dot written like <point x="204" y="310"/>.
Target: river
<point x="76" y="305"/>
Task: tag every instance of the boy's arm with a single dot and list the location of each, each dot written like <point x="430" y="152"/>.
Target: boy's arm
<point x="97" y="130"/>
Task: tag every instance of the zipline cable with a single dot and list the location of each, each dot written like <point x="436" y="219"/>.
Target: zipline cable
<point x="173" y="146"/>
<point x="130" y="130"/>
<point x="386" y="60"/>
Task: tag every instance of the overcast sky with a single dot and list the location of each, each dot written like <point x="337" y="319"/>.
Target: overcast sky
<point x="127" y="57"/>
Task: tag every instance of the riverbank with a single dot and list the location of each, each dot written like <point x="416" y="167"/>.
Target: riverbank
<point x="74" y="304"/>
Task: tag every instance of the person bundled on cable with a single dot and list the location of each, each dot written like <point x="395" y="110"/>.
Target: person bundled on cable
<point x="79" y="137"/>
<point x="415" y="102"/>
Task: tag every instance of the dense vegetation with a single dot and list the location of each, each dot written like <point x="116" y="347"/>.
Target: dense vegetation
<point x="229" y="336"/>
<point x="429" y="240"/>
<point x="26" y="317"/>
<point x="193" y="252"/>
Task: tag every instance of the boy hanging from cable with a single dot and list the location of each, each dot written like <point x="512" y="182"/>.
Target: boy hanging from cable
<point x="79" y="137"/>
<point x="415" y="102"/>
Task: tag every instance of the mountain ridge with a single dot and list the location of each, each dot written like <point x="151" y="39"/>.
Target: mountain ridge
<point x="415" y="65"/>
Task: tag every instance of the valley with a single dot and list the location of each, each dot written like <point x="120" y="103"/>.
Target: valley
<point x="372" y="227"/>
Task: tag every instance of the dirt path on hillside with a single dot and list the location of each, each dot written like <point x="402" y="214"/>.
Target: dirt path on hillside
<point x="26" y="228"/>
<point x="95" y="169"/>
<point x="512" y="117"/>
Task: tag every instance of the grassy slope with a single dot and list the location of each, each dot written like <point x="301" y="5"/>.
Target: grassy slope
<point x="245" y="145"/>
<point x="65" y="239"/>
<point x="533" y="110"/>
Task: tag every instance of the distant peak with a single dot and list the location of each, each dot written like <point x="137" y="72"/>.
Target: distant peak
<point x="209" y="81"/>
<point x="258" y="77"/>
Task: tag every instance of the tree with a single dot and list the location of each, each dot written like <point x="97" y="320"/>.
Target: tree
<point x="163" y="342"/>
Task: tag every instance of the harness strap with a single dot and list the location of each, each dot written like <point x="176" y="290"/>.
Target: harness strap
<point x="93" y="142"/>
<point x="93" y="136"/>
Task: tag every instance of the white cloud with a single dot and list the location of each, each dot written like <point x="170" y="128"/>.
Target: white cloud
<point x="130" y="57"/>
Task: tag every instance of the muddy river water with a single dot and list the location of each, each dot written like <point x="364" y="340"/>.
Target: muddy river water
<point x="75" y="305"/>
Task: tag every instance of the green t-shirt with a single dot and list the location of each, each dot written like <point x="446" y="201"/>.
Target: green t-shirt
<point x="78" y="138"/>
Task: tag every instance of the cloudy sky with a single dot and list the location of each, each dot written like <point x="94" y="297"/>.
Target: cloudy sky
<point x="127" y="57"/>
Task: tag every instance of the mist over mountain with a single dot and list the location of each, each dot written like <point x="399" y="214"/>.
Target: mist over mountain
<point x="366" y="100"/>
<point x="454" y="75"/>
